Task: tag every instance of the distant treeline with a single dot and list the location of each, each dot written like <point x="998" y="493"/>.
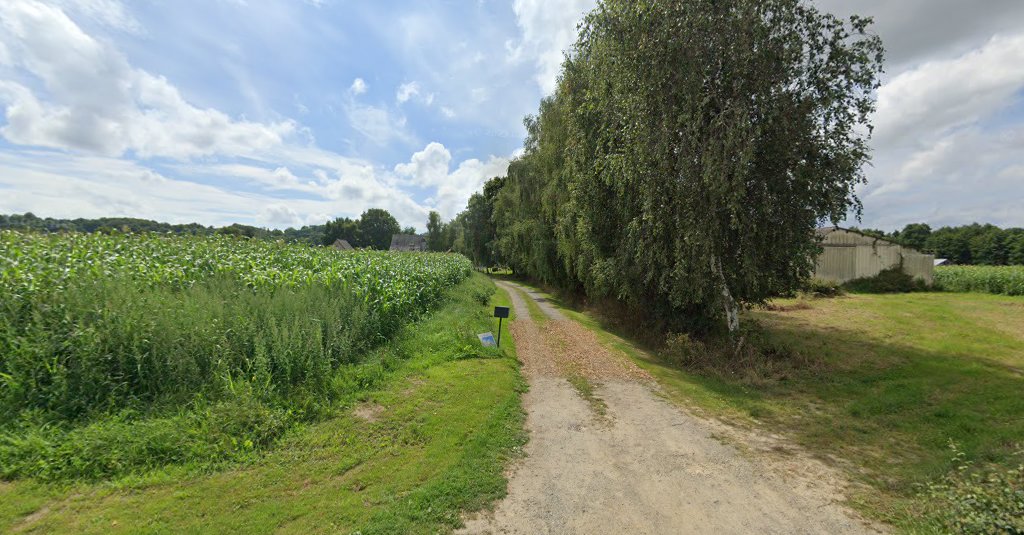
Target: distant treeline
<point x="975" y="244"/>
<point x="312" y="234"/>
<point x="373" y="229"/>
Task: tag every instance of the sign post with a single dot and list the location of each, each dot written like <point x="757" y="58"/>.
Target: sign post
<point x="500" y="313"/>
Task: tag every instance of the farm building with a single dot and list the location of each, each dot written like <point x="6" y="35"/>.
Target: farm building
<point x="342" y="245"/>
<point x="849" y="255"/>
<point x="408" y="243"/>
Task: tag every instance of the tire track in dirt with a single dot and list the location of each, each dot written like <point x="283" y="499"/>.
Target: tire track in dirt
<point x="647" y="466"/>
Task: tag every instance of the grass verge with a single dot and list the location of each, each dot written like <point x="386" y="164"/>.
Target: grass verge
<point x="428" y="441"/>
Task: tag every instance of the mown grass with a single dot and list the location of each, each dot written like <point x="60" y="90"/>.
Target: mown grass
<point x="448" y="420"/>
<point x="896" y="379"/>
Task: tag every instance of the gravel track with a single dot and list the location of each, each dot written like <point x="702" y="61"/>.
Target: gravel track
<point x="645" y="466"/>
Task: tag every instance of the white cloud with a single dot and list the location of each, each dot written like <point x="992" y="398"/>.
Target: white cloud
<point x="108" y="113"/>
<point x="916" y="31"/>
<point x="429" y="168"/>
<point x="943" y="94"/>
<point x="971" y="174"/>
<point x="411" y="90"/>
<point x="99" y="103"/>
<point x="377" y="123"/>
<point x="941" y="153"/>
<point x="107" y="12"/>
<point x="447" y="112"/>
<point x="358" y="87"/>
<point x="67" y="185"/>
<point x="548" y="31"/>
<point x="407" y="91"/>
<point x="279" y="215"/>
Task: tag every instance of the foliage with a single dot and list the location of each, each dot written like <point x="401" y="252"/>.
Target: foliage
<point x="1008" y="280"/>
<point x="915" y="235"/>
<point x="973" y="502"/>
<point x="376" y="226"/>
<point x="138" y="326"/>
<point x="436" y="233"/>
<point x="450" y="420"/>
<point x="823" y="288"/>
<point x="477" y="226"/>
<point x="757" y="361"/>
<point x="310" y="234"/>
<point x="965" y="245"/>
<point x="342" y="228"/>
<point x="371" y="230"/>
<point x="892" y="280"/>
<point x="688" y="153"/>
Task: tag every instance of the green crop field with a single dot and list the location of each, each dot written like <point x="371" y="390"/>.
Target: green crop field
<point x="1008" y="280"/>
<point x="123" y="353"/>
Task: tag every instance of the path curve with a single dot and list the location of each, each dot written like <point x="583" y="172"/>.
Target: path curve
<point x="624" y="460"/>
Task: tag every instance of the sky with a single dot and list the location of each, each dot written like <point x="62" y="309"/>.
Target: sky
<point x="281" y="113"/>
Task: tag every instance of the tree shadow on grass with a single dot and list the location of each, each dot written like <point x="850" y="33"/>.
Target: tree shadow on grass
<point x="889" y="408"/>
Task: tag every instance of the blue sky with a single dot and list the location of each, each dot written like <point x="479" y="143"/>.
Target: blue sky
<point x="282" y="113"/>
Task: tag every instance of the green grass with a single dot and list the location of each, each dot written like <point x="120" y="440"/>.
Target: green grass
<point x="126" y="353"/>
<point x="897" y="378"/>
<point x="447" y="420"/>
<point x="586" y="391"/>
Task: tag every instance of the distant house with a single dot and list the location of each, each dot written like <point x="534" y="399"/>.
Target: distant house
<point x="942" y="262"/>
<point x="342" y="245"/>
<point x="849" y="255"/>
<point x="408" y="243"/>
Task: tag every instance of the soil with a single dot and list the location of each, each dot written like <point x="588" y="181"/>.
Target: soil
<point x="645" y="465"/>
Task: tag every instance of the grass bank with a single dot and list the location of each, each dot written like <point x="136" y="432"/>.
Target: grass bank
<point x="429" y="439"/>
<point x="886" y="384"/>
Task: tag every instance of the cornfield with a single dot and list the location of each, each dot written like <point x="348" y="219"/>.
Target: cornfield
<point x="92" y="322"/>
<point x="1008" y="280"/>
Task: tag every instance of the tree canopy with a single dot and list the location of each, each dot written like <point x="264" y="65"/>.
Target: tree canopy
<point x="689" y="152"/>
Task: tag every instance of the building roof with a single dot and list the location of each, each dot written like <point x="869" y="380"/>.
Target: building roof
<point x="849" y="237"/>
<point x="823" y="232"/>
<point x="408" y="242"/>
<point x="342" y="245"/>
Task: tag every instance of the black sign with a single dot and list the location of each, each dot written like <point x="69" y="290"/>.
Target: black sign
<point x="500" y="312"/>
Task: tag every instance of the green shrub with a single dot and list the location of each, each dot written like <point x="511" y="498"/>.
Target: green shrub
<point x="128" y="442"/>
<point x="823" y="288"/>
<point x="483" y="295"/>
<point x="753" y="357"/>
<point x="892" y="280"/>
<point x="972" y="501"/>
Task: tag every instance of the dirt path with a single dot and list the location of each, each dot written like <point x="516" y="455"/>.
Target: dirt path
<point x="620" y="459"/>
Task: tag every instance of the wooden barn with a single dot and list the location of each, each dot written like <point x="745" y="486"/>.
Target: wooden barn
<point x="849" y="255"/>
<point x="408" y="243"/>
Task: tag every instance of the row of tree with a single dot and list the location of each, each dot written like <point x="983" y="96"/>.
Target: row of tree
<point x="312" y="234"/>
<point x="686" y="156"/>
<point x="966" y="244"/>
<point x="373" y="229"/>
